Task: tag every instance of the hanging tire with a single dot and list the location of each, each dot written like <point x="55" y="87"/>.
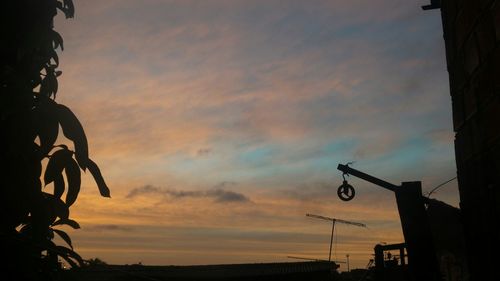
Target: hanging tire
<point x="346" y="192"/>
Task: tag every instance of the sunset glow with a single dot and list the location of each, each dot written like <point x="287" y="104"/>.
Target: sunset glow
<point x="219" y="124"/>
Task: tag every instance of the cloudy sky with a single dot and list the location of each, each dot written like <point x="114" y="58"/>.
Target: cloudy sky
<point x="219" y="124"/>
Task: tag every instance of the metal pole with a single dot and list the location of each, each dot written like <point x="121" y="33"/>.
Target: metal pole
<point x="331" y="241"/>
<point x="376" y="181"/>
<point x="347" y="256"/>
<point x="350" y="171"/>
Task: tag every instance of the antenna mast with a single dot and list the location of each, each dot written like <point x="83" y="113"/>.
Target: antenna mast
<point x="334" y="220"/>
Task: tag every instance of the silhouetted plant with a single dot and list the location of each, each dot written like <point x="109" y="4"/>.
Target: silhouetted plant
<point x="29" y="126"/>
<point x="95" y="262"/>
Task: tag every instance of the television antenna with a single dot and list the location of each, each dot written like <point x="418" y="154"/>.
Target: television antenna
<point x="311" y="259"/>
<point x="334" y="220"/>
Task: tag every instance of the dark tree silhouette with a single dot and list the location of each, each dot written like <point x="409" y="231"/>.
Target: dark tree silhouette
<point x="95" y="262"/>
<point x="30" y="119"/>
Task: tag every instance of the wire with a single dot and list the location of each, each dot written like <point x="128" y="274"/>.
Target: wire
<point x="437" y="187"/>
<point x="336" y="242"/>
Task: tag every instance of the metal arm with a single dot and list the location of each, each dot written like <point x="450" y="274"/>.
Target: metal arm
<point x="336" y="220"/>
<point x="350" y="171"/>
<point x="389" y="186"/>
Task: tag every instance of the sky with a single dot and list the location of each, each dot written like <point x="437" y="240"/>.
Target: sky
<point x="219" y="124"/>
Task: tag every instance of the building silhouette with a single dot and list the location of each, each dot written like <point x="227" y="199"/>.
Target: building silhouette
<point x="472" y="34"/>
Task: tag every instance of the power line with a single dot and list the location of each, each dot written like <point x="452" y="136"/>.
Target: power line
<point x="437" y="187"/>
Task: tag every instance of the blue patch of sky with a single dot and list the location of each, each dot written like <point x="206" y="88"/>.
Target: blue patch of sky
<point x="290" y="33"/>
<point x="243" y="164"/>
<point x="302" y="33"/>
<point x="340" y="148"/>
<point x="280" y="166"/>
<point x="206" y="168"/>
<point x="408" y="39"/>
<point x="408" y="159"/>
<point x="322" y="165"/>
<point x="257" y="156"/>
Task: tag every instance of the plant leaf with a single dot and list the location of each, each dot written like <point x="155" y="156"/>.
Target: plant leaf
<point x="54" y="56"/>
<point x="67" y="7"/>
<point x="49" y="84"/>
<point x="60" y="208"/>
<point x="74" y="180"/>
<point x="70" y="261"/>
<point x="55" y="207"/>
<point x="46" y="122"/>
<point x="55" y="85"/>
<point x="71" y="8"/>
<point x="57" y="162"/>
<point x="38" y="166"/>
<point x="69" y="222"/>
<point x="96" y="173"/>
<point x="58" y="40"/>
<point x="43" y="214"/>
<point x="35" y="80"/>
<point x="48" y="245"/>
<point x="59" y="186"/>
<point x="64" y="236"/>
<point x="48" y="130"/>
<point x="73" y="130"/>
<point x="70" y="253"/>
<point x="26" y="228"/>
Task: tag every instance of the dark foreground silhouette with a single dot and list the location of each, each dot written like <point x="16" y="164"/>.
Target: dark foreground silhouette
<point x="293" y="271"/>
<point x="30" y="120"/>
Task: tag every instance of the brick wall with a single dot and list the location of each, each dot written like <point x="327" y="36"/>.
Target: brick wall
<point x="472" y="39"/>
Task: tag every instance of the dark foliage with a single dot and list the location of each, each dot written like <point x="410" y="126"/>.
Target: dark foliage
<point x="95" y="262"/>
<point x="30" y="120"/>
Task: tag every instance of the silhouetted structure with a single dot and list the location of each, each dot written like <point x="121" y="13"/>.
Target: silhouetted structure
<point x="471" y="35"/>
<point x="414" y="221"/>
<point x="449" y="242"/>
<point x="293" y="271"/>
<point x="389" y="267"/>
